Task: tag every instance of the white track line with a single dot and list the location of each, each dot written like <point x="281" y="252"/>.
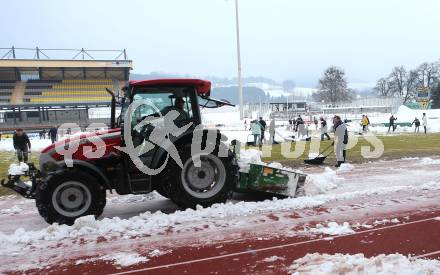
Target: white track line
<point x="266" y="248"/>
<point x="426" y="255"/>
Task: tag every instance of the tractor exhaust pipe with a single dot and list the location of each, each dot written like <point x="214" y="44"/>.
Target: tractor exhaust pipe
<point x="113" y="109"/>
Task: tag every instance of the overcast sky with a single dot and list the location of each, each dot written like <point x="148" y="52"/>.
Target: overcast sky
<point x="281" y="39"/>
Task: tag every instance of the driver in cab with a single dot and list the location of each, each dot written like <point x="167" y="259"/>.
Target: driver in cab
<point x="183" y="117"/>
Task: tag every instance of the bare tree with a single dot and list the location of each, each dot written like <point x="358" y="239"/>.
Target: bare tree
<point x="403" y="83"/>
<point x="333" y="86"/>
<point x="427" y="74"/>
<point x="397" y="81"/>
<point x="383" y="87"/>
<point x="410" y="86"/>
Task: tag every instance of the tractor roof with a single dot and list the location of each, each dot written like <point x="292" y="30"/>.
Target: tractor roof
<point x="202" y="86"/>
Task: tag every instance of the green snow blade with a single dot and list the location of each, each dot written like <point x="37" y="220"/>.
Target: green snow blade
<point x="263" y="178"/>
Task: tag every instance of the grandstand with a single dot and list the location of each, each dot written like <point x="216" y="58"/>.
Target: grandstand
<point x="40" y="88"/>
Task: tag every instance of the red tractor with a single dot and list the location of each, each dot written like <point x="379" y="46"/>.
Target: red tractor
<point x="65" y="190"/>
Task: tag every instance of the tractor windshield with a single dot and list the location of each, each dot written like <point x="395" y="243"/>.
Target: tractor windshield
<point x="159" y="104"/>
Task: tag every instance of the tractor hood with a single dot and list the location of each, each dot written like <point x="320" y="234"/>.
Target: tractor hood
<point x="83" y="136"/>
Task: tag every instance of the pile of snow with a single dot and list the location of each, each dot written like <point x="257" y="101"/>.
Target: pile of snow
<point x="247" y="157"/>
<point x="346" y="167"/>
<point x="136" y="198"/>
<point x="428" y="161"/>
<point x="322" y="182"/>
<point x="125" y="259"/>
<point x="332" y="228"/>
<point x="397" y="264"/>
<point x="313" y="155"/>
<point x="11" y="211"/>
<point x="276" y="165"/>
<point x="122" y="259"/>
<point x="18" y="169"/>
<point x="253" y="156"/>
<point x="272" y="259"/>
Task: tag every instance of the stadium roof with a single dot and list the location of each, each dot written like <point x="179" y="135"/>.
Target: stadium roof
<point x="53" y="64"/>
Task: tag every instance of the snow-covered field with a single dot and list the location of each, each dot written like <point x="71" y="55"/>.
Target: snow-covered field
<point x="230" y="117"/>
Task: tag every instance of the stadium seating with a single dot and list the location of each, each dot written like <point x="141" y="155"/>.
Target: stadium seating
<point x="67" y="91"/>
<point x="6" y="90"/>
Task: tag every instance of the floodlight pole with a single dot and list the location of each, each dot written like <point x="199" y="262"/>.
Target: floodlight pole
<point x="240" y="87"/>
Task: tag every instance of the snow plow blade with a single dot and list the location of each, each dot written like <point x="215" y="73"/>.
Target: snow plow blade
<point x="15" y="183"/>
<point x="276" y="181"/>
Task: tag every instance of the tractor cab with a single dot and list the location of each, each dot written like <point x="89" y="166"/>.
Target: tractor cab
<point x="158" y="120"/>
<point x="156" y="98"/>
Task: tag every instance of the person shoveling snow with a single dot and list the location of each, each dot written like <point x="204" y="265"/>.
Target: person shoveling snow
<point x="341" y="140"/>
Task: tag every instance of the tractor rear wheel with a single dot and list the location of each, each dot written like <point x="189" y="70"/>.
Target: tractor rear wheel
<point x="68" y="195"/>
<point x="212" y="182"/>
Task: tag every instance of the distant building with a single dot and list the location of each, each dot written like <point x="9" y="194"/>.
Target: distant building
<point x="291" y="106"/>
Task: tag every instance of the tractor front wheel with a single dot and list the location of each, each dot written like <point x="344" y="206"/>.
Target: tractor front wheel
<point x="68" y="195"/>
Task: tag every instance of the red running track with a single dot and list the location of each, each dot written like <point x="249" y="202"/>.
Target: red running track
<point x="418" y="234"/>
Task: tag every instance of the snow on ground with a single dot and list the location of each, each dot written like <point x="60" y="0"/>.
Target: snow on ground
<point x="332" y="228"/>
<point x="427" y="161"/>
<point x="154" y="223"/>
<point x="373" y="175"/>
<point x="324" y="264"/>
<point x="6" y="144"/>
<point x="135" y="198"/>
<point x="321" y="183"/>
<point x="18" y="169"/>
<point x="11" y="211"/>
<point x="124" y="259"/>
<point x="272" y="259"/>
<point x="346" y="167"/>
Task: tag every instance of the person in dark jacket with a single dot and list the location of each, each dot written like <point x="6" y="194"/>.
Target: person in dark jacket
<point x="22" y="145"/>
<point x="392" y="123"/>
<point x="416" y="123"/>
<point x="324" y="129"/>
<point x="53" y="134"/>
<point x="299" y="121"/>
<point x="263" y="128"/>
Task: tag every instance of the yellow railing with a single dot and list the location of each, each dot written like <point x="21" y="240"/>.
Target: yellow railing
<point x="69" y="99"/>
<point x="57" y="93"/>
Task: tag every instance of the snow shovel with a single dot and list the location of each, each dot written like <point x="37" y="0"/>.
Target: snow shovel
<point x="318" y="160"/>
